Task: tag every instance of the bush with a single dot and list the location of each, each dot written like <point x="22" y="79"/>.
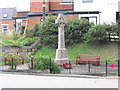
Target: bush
<point x="34" y="32"/>
<point x="74" y="31"/>
<point x="46" y="63"/>
<point x="97" y="33"/>
<point x="49" y="32"/>
<point x="112" y="30"/>
<point x="22" y="30"/>
<point x="22" y="41"/>
<point x="28" y="41"/>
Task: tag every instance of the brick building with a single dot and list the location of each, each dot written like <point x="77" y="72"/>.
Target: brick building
<point x="42" y="8"/>
<point x="6" y="21"/>
<point x="10" y="19"/>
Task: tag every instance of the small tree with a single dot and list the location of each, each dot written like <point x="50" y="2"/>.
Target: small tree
<point x="97" y="33"/>
<point x="75" y="30"/>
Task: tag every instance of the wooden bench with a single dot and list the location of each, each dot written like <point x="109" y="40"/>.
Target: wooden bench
<point x="84" y="58"/>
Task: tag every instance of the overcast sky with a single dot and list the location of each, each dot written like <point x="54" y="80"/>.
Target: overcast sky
<point x="21" y="5"/>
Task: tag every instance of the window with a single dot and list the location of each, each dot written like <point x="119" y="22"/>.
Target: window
<point x="5" y="16"/>
<point x="4" y="28"/>
<point x="87" y="1"/>
<point x="66" y="1"/>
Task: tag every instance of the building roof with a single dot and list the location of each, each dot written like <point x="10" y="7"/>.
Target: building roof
<point x="66" y="13"/>
<point x="7" y="13"/>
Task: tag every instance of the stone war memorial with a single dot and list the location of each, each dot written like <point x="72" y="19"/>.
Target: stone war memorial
<point x="61" y="52"/>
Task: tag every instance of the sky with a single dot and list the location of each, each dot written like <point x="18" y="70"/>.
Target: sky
<point x="21" y="5"/>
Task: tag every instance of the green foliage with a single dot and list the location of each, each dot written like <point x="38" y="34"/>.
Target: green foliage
<point x="49" y="32"/>
<point x="22" y="30"/>
<point x="45" y="63"/>
<point x="22" y="41"/>
<point x="34" y="32"/>
<point x="75" y="30"/>
<point x="97" y="33"/>
<point x="9" y="56"/>
<point x="42" y="64"/>
<point x="113" y="29"/>
<point x="28" y="41"/>
<point x="104" y="50"/>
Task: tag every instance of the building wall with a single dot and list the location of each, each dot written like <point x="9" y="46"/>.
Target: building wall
<point x="22" y="14"/>
<point x="50" y="6"/>
<point x="32" y="21"/>
<point x="37" y="6"/>
<point x="108" y="9"/>
<point x="60" y="6"/>
<point x="10" y="24"/>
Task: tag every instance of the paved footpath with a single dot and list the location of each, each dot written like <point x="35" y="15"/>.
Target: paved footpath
<point x="31" y="81"/>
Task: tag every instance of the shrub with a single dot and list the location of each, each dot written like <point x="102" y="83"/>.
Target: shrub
<point x="34" y="32"/>
<point x="22" y="41"/>
<point x="74" y="31"/>
<point x="46" y="63"/>
<point x="97" y="33"/>
<point x="28" y="41"/>
<point x="49" y="32"/>
<point x="112" y="30"/>
<point x="22" y="30"/>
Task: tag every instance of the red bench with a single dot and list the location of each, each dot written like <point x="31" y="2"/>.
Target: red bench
<point x="84" y="58"/>
<point x="8" y="62"/>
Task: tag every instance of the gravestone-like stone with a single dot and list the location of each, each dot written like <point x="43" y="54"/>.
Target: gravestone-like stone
<point x="61" y="52"/>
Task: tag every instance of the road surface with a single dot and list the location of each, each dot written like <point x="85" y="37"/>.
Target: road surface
<point x="31" y="81"/>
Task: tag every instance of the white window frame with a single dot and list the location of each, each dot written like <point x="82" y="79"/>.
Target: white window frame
<point x="87" y="1"/>
<point x="66" y="2"/>
<point x="4" y="28"/>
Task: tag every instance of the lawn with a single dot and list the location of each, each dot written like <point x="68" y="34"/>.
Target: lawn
<point x="108" y="51"/>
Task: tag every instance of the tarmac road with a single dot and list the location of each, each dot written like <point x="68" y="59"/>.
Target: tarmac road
<point x="31" y="81"/>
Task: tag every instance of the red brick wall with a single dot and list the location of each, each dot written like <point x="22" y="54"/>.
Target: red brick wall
<point x="36" y="20"/>
<point x="10" y="24"/>
<point x="32" y="21"/>
<point x="24" y="22"/>
<point x="58" y="6"/>
<point x="22" y="14"/>
<point x="36" y="6"/>
<point x="71" y="16"/>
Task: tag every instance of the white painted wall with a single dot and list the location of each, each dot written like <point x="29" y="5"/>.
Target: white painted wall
<point x="108" y="9"/>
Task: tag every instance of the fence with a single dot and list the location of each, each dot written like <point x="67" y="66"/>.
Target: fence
<point x="106" y="68"/>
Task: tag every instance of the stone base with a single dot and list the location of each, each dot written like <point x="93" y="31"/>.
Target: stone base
<point x="61" y="56"/>
<point x="64" y="60"/>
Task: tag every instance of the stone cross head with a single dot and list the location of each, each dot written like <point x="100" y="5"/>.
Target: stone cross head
<point x="60" y="20"/>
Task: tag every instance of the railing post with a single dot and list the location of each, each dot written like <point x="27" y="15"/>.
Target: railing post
<point x="118" y="67"/>
<point x="88" y="66"/>
<point x="106" y="66"/>
<point x="50" y="66"/>
<point x="12" y="64"/>
<point x="31" y="62"/>
<point x="69" y="67"/>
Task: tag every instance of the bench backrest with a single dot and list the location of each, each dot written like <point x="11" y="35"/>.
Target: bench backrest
<point x="89" y="57"/>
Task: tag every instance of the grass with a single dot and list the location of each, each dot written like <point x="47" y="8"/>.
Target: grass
<point x="108" y="51"/>
<point x="1" y="63"/>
